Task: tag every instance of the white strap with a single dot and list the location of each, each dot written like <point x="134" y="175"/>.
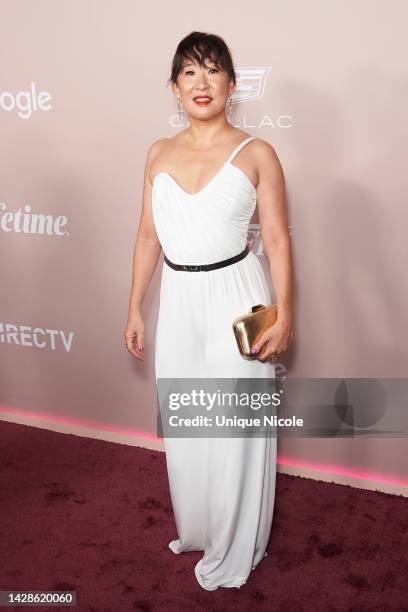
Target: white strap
<point x="239" y="147"/>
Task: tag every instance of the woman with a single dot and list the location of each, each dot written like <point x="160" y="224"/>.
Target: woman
<point x="200" y="191"/>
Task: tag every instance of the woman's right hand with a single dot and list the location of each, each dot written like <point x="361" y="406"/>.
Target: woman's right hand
<point x="134" y="335"/>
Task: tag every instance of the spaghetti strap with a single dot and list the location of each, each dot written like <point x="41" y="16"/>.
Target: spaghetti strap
<point x="239" y="147"/>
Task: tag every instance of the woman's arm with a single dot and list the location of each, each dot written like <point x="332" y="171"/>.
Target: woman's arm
<point x="146" y="254"/>
<point x="273" y="219"/>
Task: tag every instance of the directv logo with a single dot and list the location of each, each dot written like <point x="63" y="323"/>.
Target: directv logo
<point x="36" y="337"/>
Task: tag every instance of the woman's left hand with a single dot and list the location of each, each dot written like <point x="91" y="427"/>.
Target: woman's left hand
<point x="273" y="341"/>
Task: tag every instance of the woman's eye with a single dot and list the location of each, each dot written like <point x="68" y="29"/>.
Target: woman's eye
<point x="188" y="72"/>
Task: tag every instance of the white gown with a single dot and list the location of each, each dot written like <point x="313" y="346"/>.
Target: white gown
<point x="222" y="489"/>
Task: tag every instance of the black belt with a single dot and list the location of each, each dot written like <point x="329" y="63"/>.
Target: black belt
<point x="205" y="267"/>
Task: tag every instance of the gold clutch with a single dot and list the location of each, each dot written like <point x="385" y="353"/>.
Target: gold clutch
<point x="249" y="327"/>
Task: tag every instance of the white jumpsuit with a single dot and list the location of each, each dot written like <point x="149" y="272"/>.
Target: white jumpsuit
<point x="222" y="489"/>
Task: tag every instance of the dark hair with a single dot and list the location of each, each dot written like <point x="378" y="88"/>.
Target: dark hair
<point x="200" y="46"/>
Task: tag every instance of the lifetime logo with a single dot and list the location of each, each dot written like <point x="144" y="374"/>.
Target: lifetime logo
<point x="26" y="222"/>
<point x="24" y="335"/>
<point x="25" y="102"/>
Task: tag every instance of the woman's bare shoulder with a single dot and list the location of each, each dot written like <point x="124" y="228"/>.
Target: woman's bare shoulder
<point x="159" y="154"/>
<point x="163" y="146"/>
<point x="156" y="146"/>
<point x="267" y="161"/>
<point x="166" y="143"/>
<point x="263" y="148"/>
<point x="265" y="154"/>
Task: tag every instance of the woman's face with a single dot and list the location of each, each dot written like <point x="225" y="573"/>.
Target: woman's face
<point x="204" y="90"/>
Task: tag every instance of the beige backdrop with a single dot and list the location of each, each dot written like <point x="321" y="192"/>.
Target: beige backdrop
<point x="82" y="96"/>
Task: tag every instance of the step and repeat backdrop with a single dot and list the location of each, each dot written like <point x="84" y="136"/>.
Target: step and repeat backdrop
<point x="83" y="94"/>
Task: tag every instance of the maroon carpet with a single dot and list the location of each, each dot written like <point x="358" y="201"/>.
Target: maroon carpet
<point x="95" y="517"/>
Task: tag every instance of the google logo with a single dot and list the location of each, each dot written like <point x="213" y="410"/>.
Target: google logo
<point x="25" y="102"/>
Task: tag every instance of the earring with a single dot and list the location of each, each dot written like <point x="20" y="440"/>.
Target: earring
<point x="180" y="107"/>
<point x="229" y="110"/>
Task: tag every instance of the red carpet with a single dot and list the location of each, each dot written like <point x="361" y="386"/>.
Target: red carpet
<point x="95" y="517"/>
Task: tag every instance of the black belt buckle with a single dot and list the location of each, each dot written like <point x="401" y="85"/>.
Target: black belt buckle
<point x="191" y="268"/>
